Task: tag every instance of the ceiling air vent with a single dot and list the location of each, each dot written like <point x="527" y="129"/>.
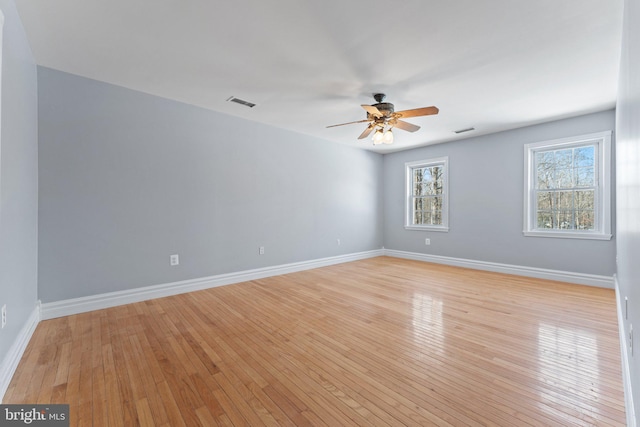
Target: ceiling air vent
<point x="241" y="102"/>
<point x="464" y="130"/>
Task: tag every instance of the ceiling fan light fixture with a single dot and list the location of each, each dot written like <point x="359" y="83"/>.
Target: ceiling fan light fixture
<point x="382" y="136"/>
<point x="387" y="137"/>
<point x="378" y="137"/>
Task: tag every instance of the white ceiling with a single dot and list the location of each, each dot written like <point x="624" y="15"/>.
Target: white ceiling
<point x="489" y="64"/>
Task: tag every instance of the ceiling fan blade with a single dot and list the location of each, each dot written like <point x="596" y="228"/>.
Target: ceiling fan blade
<point x="372" y="110"/>
<point x="349" y="123"/>
<point x="409" y="127"/>
<point x="367" y="131"/>
<point x="425" y="111"/>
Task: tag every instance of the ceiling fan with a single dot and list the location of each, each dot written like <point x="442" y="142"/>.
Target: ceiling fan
<point x="382" y="118"/>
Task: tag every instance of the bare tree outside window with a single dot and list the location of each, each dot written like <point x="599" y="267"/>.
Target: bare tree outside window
<point x="427" y="195"/>
<point x="427" y="204"/>
<point x="565" y="188"/>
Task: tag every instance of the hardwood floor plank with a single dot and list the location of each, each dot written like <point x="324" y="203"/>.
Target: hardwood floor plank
<point x="172" y="408"/>
<point x="114" y="406"/>
<point x="205" y="417"/>
<point x="145" y="416"/>
<point x="377" y="342"/>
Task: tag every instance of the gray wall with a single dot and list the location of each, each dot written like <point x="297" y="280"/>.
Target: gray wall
<point x="18" y="180"/>
<point x="127" y="179"/>
<point x="628" y="179"/>
<point x="486" y="203"/>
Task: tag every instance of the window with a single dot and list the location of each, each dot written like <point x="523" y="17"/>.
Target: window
<point x="568" y="187"/>
<point x="427" y="204"/>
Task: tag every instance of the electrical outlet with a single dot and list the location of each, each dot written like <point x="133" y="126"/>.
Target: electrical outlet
<point x="338" y="242"/>
<point x="174" y="259"/>
<point x="427" y="242"/>
<point x="4" y="315"/>
<point x="626" y="308"/>
<point x="261" y="250"/>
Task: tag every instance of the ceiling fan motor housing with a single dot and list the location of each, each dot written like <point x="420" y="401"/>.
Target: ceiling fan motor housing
<point x="386" y="108"/>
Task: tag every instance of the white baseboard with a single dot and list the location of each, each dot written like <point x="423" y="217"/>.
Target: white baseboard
<point x="540" y="273"/>
<point x="12" y="358"/>
<point x="624" y="352"/>
<point x="97" y="302"/>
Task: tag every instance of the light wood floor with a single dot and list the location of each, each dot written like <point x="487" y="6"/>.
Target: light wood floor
<point x="381" y="341"/>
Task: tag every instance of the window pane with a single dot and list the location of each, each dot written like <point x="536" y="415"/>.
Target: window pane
<point x="564" y="200"/>
<point x="418" y="202"/>
<point x="426" y="175"/>
<point x="436" y="173"/>
<point x="437" y="202"/>
<point x="545" y="220"/>
<point x="564" y="158"/>
<point x="436" y="217"/>
<point x="427" y="204"/>
<point x="546" y="200"/>
<point x="426" y="218"/>
<point x="584" y="199"/>
<point x="585" y="177"/>
<point x="583" y="156"/>
<point x="438" y="188"/>
<point x="544" y="157"/>
<point x="584" y="220"/>
<point x="544" y="175"/>
<point x="428" y="188"/>
<point x="564" y="220"/>
<point x="417" y="175"/>
<point x="417" y="217"/>
<point x="563" y="178"/>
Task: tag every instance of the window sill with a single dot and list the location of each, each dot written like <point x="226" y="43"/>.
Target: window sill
<point x="568" y="235"/>
<point x="426" y="228"/>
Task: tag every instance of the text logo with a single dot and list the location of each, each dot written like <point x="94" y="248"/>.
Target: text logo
<point x="34" y="415"/>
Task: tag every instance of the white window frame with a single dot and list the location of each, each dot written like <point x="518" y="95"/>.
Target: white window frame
<point x="602" y="203"/>
<point x="408" y="205"/>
